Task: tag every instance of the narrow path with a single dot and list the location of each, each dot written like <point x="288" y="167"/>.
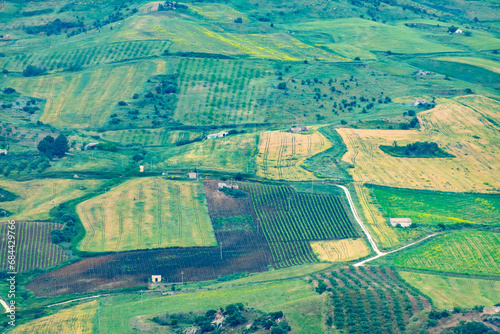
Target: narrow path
<point x="5" y="305"/>
<point x="74" y="300"/>
<point x="358" y="220"/>
<point x="369" y="237"/>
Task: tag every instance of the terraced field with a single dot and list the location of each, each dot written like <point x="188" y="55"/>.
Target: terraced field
<point x="34" y="247"/>
<point x="146" y="213"/>
<point x="78" y="320"/>
<point x="87" y="98"/>
<point x="465" y="127"/>
<point x="468" y="252"/>
<point x="281" y="154"/>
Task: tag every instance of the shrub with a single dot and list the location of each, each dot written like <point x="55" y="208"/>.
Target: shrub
<point x="122" y="103"/>
<point x="32" y="70"/>
<point x="282" y="85"/>
<point x="111" y="147"/>
<point x="9" y="90"/>
<point x="238" y="20"/>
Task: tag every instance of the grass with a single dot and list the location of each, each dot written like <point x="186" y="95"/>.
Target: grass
<point x="340" y="250"/>
<point x="425" y="207"/>
<point x="87" y="98"/>
<point x="78" y="320"/>
<point x="146" y="213"/>
<point x="37" y="197"/>
<point x="447" y="292"/>
<point x="231" y="153"/>
<point x="354" y="37"/>
<point x="465" y="127"/>
<point x="468" y="252"/>
<point x="282" y="153"/>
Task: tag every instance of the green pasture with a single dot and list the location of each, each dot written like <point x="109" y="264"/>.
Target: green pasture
<point x="447" y="292"/>
<point x="298" y="302"/>
<point x="467" y="252"/>
<point x="488" y="64"/>
<point x="432" y="208"/>
<point x="355" y="37"/>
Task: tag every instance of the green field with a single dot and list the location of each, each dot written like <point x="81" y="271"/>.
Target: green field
<point x="356" y="37"/>
<point x="148" y="137"/>
<point x="448" y="292"/>
<point x="468" y="252"/>
<point x="146" y="213"/>
<point x="87" y="99"/>
<point x="231" y="153"/>
<point x="432" y="208"/>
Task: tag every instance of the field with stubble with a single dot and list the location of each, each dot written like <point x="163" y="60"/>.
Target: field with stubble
<point x="466" y="127"/>
<point x="146" y="213"/>
<point x="282" y="153"/>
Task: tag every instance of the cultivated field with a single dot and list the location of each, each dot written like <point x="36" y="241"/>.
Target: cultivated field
<point x="222" y="91"/>
<point x="87" y="98"/>
<point x="34" y="248"/>
<point x="290" y="220"/>
<point x="148" y="137"/>
<point x="146" y="213"/>
<point x="281" y="154"/>
<point x="447" y="292"/>
<point x="490" y="65"/>
<point x="75" y="320"/>
<point x="340" y="250"/>
<point x="468" y="252"/>
<point x="425" y="207"/>
<point x="370" y="300"/>
<point x="231" y="153"/>
<point x="37" y="197"/>
<point x="465" y="127"/>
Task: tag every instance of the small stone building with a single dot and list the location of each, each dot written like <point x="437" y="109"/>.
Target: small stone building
<point x="221" y="185"/>
<point x="217" y="135"/>
<point x="156" y="278"/>
<point x="403" y="222"/>
<point x="192" y="175"/>
<point x="299" y="128"/>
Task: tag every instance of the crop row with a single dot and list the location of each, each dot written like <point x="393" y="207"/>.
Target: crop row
<point x="34" y="248"/>
<point x="290" y="220"/>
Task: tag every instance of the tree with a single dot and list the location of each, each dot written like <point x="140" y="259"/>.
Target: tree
<point x="51" y="147"/>
<point x="282" y="85"/>
<point x="238" y="20"/>
<point x="32" y="70"/>
<point x="452" y="29"/>
<point x="61" y="146"/>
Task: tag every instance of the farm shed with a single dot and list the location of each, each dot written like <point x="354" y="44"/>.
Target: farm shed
<point x="221" y="185"/>
<point x="192" y="175"/>
<point x="156" y="278"/>
<point x="217" y="135"/>
<point x="3" y="151"/>
<point x="458" y="31"/>
<point x="417" y="102"/>
<point x="403" y="222"/>
<point x="141" y="169"/>
<point x="91" y="146"/>
<point x="299" y="128"/>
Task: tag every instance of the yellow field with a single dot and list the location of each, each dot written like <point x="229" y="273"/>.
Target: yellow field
<point x="147" y="213"/>
<point x="37" y="197"/>
<point x="466" y="127"/>
<point x="282" y="153"/>
<point x="340" y="250"/>
<point x="487" y="64"/>
<point x="87" y="98"/>
<point x="447" y="292"/>
<point x="75" y="320"/>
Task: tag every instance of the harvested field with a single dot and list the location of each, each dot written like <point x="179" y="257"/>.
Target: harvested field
<point x="468" y="252"/>
<point x="282" y="153"/>
<point x="75" y="320"/>
<point x="466" y="127"/>
<point x="34" y="248"/>
<point x="340" y="250"/>
<point x="146" y="213"/>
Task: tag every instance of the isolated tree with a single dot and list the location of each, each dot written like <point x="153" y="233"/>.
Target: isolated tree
<point x="282" y="85"/>
<point x="238" y="20"/>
